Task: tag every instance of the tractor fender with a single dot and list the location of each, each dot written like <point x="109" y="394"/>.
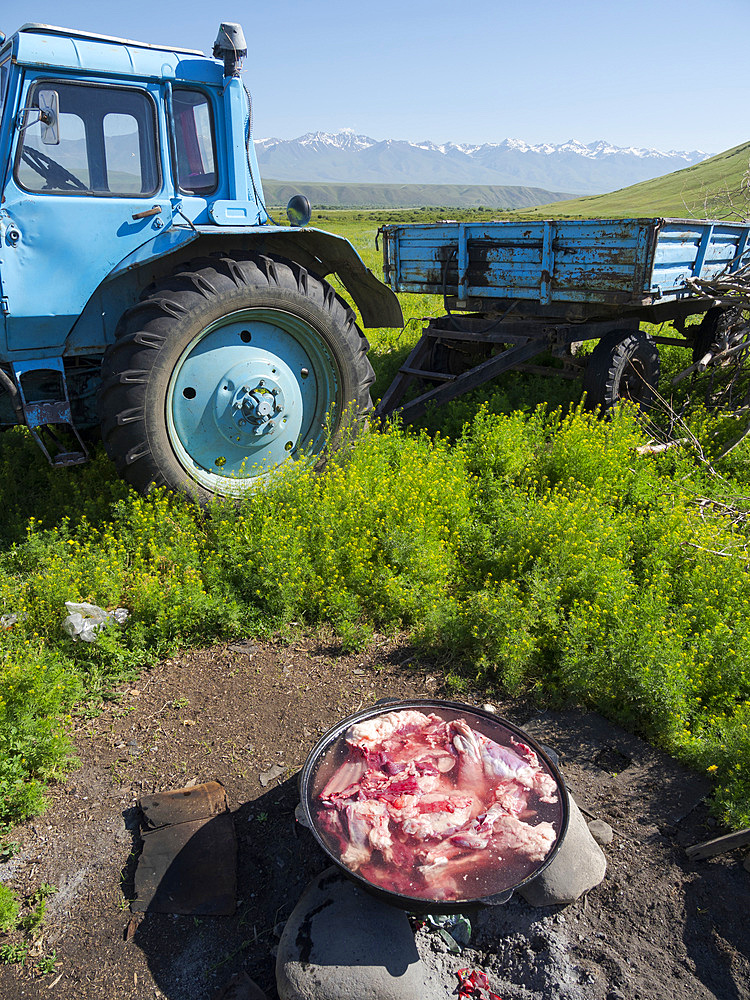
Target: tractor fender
<point x="319" y="252"/>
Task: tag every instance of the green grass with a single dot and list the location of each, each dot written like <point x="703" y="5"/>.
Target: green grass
<point x="713" y="189"/>
<point x="21" y="924"/>
<point x="524" y="547"/>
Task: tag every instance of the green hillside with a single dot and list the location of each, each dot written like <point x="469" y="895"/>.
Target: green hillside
<point x="409" y="195"/>
<point x="715" y="188"/>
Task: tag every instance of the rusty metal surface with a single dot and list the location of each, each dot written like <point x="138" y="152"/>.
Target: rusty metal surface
<point x="184" y="804"/>
<point x="561" y="265"/>
<point x="189" y="860"/>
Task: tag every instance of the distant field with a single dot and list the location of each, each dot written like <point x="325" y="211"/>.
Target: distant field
<point x="409" y="195"/>
<point x="715" y="188"/>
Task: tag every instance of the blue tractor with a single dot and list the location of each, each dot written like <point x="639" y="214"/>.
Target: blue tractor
<point x="146" y="292"/>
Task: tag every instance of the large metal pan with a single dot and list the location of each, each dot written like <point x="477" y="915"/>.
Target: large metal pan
<point x="330" y="752"/>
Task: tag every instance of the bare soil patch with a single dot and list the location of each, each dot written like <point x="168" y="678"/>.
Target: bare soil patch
<point x="659" y="926"/>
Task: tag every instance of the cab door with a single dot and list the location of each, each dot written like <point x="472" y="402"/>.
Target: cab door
<point x="84" y="193"/>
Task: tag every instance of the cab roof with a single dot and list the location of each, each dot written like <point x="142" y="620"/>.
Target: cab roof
<point x="51" y="29"/>
<point x="49" y="47"/>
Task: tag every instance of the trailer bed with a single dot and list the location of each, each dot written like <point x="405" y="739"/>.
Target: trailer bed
<point x="516" y="290"/>
<point x="566" y="268"/>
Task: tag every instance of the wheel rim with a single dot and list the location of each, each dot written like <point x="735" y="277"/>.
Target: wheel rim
<point x="247" y="394"/>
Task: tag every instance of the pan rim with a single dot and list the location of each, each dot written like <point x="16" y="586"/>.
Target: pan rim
<point x="421" y="903"/>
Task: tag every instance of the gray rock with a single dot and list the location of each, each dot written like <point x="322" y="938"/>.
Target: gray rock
<point x="341" y="943"/>
<point x="601" y="832"/>
<point x="578" y="866"/>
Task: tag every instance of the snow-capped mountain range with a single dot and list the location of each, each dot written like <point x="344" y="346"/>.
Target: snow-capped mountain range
<point x="348" y="158"/>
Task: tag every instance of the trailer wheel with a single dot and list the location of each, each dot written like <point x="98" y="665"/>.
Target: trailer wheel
<point x="719" y="330"/>
<point x="622" y="366"/>
<point x="225" y="370"/>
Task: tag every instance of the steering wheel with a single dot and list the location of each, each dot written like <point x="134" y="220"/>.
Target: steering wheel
<point x="54" y="173"/>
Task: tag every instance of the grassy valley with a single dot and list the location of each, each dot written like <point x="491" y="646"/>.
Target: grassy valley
<point x="714" y="189"/>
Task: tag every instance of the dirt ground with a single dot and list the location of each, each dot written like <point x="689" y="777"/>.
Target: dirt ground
<point x="659" y="926"/>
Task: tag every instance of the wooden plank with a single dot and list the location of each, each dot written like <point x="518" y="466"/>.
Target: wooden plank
<point x="547" y="370"/>
<point x="719" y="845"/>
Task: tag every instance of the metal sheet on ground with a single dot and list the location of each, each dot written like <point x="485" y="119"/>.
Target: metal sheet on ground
<point x="189" y="859"/>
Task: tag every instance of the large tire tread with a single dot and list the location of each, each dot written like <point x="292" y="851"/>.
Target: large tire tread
<point x="145" y="337"/>
<point x="611" y="365"/>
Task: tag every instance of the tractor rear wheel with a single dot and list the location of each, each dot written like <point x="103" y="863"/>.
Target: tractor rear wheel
<point x="227" y="369"/>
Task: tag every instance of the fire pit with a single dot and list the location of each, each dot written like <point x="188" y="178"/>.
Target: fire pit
<point x="434" y="805"/>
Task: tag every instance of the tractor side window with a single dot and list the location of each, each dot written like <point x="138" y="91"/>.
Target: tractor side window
<point x="194" y="141"/>
<point x="107" y="143"/>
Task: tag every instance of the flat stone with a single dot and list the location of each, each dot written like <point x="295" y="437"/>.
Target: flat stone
<point x="578" y="866"/>
<point x="341" y="943"/>
<point x="601" y="832"/>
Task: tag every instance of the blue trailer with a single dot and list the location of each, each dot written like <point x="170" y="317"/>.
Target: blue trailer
<point x="518" y="289"/>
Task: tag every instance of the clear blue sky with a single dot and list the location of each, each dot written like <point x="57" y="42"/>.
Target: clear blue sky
<point x="668" y="74"/>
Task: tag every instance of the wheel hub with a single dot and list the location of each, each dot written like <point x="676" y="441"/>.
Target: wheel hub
<point x="260" y="408"/>
<point x="240" y="409"/>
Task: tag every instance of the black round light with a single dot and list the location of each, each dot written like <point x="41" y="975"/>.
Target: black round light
<point x="298" y="210"/>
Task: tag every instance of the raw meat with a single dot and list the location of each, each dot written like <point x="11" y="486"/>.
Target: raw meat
<point x="431" y="808"/>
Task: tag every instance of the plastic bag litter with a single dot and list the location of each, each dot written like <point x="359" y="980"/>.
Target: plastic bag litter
<point x="453" y="928"/>
<point x="85" y="620"/>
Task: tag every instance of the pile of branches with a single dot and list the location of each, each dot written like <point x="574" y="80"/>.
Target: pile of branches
<point x="722" y="343"/>
<point x="728" y="290"/>
<point x="721" y="348"/>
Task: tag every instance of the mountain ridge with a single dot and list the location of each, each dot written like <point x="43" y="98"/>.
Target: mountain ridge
<point x="580" y="168"/>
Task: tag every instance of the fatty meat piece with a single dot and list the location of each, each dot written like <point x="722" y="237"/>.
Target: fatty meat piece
<point x="504" y="831"/>
<point x="345" y="781"/>
<point x="414" y="779"/>
<point x="369" y="734"/>
<point x="390" y="744"/>
<point x="368" y="827"/>
<point x="534" y="842"/>
<point x="436" y="816"/>
<point x="481" y="758"/>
